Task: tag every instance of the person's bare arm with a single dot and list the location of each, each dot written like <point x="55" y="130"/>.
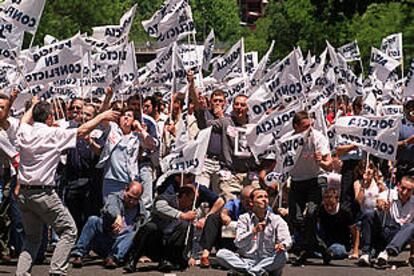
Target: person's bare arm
<point x="106" y="104"/>
<point x="87" y="127"/>
<point x="343" y="149"/>
<point x="192" y="91"/>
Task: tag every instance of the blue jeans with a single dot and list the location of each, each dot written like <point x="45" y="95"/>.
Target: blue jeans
<point x="105" y="244"/>
<point x="338" y="251"/>
<point x="146" y="178"/>
<point x="271" y="264"/>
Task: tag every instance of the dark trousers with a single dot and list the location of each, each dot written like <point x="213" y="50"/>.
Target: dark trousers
<point x="176" y="251"/>
<point x="147" y="242"/>
<point x="304" y="200"/>
<point x="347" y="186"/>
<point x="78" y="199"/>
<point x="379" y="231"/>
<point x="211" y="235"/>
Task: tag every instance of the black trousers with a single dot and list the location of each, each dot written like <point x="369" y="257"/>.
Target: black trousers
<point x="305" y="198"/>
<point x="78" y="199"/>
<point x="347" y="187"/>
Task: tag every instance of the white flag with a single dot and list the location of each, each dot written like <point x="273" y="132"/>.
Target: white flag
<point x="262" y="135"/>
<point x="381" y="65"/>
<point x="208" y="49"/>
<point x="173" y="21"/>
<point x="234" y="58"/>
<point x="259" y="71"/>
<point x="151" y="25"/>
<point x="55" y="66"/>
<point x="190" y="158"/>
<point x="289" y="149"/>
<point x="377" y="135"/>
<point x="11" y="37"/>
<point x="24" y="14"/>
<point x="350" y="51"/>
<point x="392" y="46"/>
<point x="114" y="33"/>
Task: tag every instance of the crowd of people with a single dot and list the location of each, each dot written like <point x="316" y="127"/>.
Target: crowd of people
<point x="84" y="176"/>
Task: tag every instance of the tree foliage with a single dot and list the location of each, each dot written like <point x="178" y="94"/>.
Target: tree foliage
<point x="304" y="23"/>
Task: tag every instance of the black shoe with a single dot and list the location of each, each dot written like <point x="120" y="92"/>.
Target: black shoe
<point x="327" y="257"/>
<point x="77" y="262"/>
<point x="131" y="266"/>
<point x="411" y="261"/>
<point x="301" y="259"/>
<point x="165" y="266"/>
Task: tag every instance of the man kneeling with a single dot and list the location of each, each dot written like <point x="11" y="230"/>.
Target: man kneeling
<point x="112" y="234"/>
<point x="262" y="239"/>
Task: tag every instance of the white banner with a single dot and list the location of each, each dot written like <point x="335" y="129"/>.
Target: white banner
<point x="392" y="110"/>
<point x="191" y="55"/>
<point x="11" y="37"/>
<point x="234" y="58"/>
<point x="350" y="51"/>
<point x="377" y="135"/>
<point x="208" y="49"/>
<point x="409" y="81"/>
<point x="269" y="129"/>
<point x="288" y="151"/>
<point x="126" y="75"/>
<point x="112" y="34"/>
<point x="24" y="14"/>
<point x="392" y="46"/>
<point x="176" y="25"/>
<point x="190" y="158"/>
<point x="257" y="76"/>
<point x="55" y="66"/>
<point x="284" y="88"/>
<point x="381" y="65"/>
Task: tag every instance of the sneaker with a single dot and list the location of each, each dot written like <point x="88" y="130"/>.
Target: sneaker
<point x="382" y="259"/>
<point x="364" y="260"/>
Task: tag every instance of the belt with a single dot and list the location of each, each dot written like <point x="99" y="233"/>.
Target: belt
<point x="36" y="187"/>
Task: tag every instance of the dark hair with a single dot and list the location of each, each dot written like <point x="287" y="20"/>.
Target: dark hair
<point x="217" y="92"/>
<point x="238" y="96"/>
<point x="187" y="190"/>
<point x="251" y="196"/>
<point x="299" y="116"/>
<point x="154" y="102"/>
<point x="133" y="97"/>
<point x="41" y="111"/>
<point x="130" y="109"/>
<point x="331" y="193"/>
<point x="4" y="97"/>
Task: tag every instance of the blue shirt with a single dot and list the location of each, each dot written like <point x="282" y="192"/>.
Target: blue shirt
<point x="406" y="153"/>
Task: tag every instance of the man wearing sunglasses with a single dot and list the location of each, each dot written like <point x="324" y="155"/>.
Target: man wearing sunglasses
<point x="111" y="235"/>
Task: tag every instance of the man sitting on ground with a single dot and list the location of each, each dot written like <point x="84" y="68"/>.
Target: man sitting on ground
<point x="262" y="239"/>
<point x="112" y="234"/>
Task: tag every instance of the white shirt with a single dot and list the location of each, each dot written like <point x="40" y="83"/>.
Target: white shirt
<point x="306" y="166"/>
<point x="402" y="214"/>
<point x="40" y="150"/>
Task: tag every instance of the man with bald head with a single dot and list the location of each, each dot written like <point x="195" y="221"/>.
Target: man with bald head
<point x="111" y="235"/>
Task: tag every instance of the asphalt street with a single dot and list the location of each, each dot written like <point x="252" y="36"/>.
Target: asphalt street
<point x="314" y="268"/>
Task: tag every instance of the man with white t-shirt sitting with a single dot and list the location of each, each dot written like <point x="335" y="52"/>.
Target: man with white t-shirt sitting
<point x="305" y="193"/>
